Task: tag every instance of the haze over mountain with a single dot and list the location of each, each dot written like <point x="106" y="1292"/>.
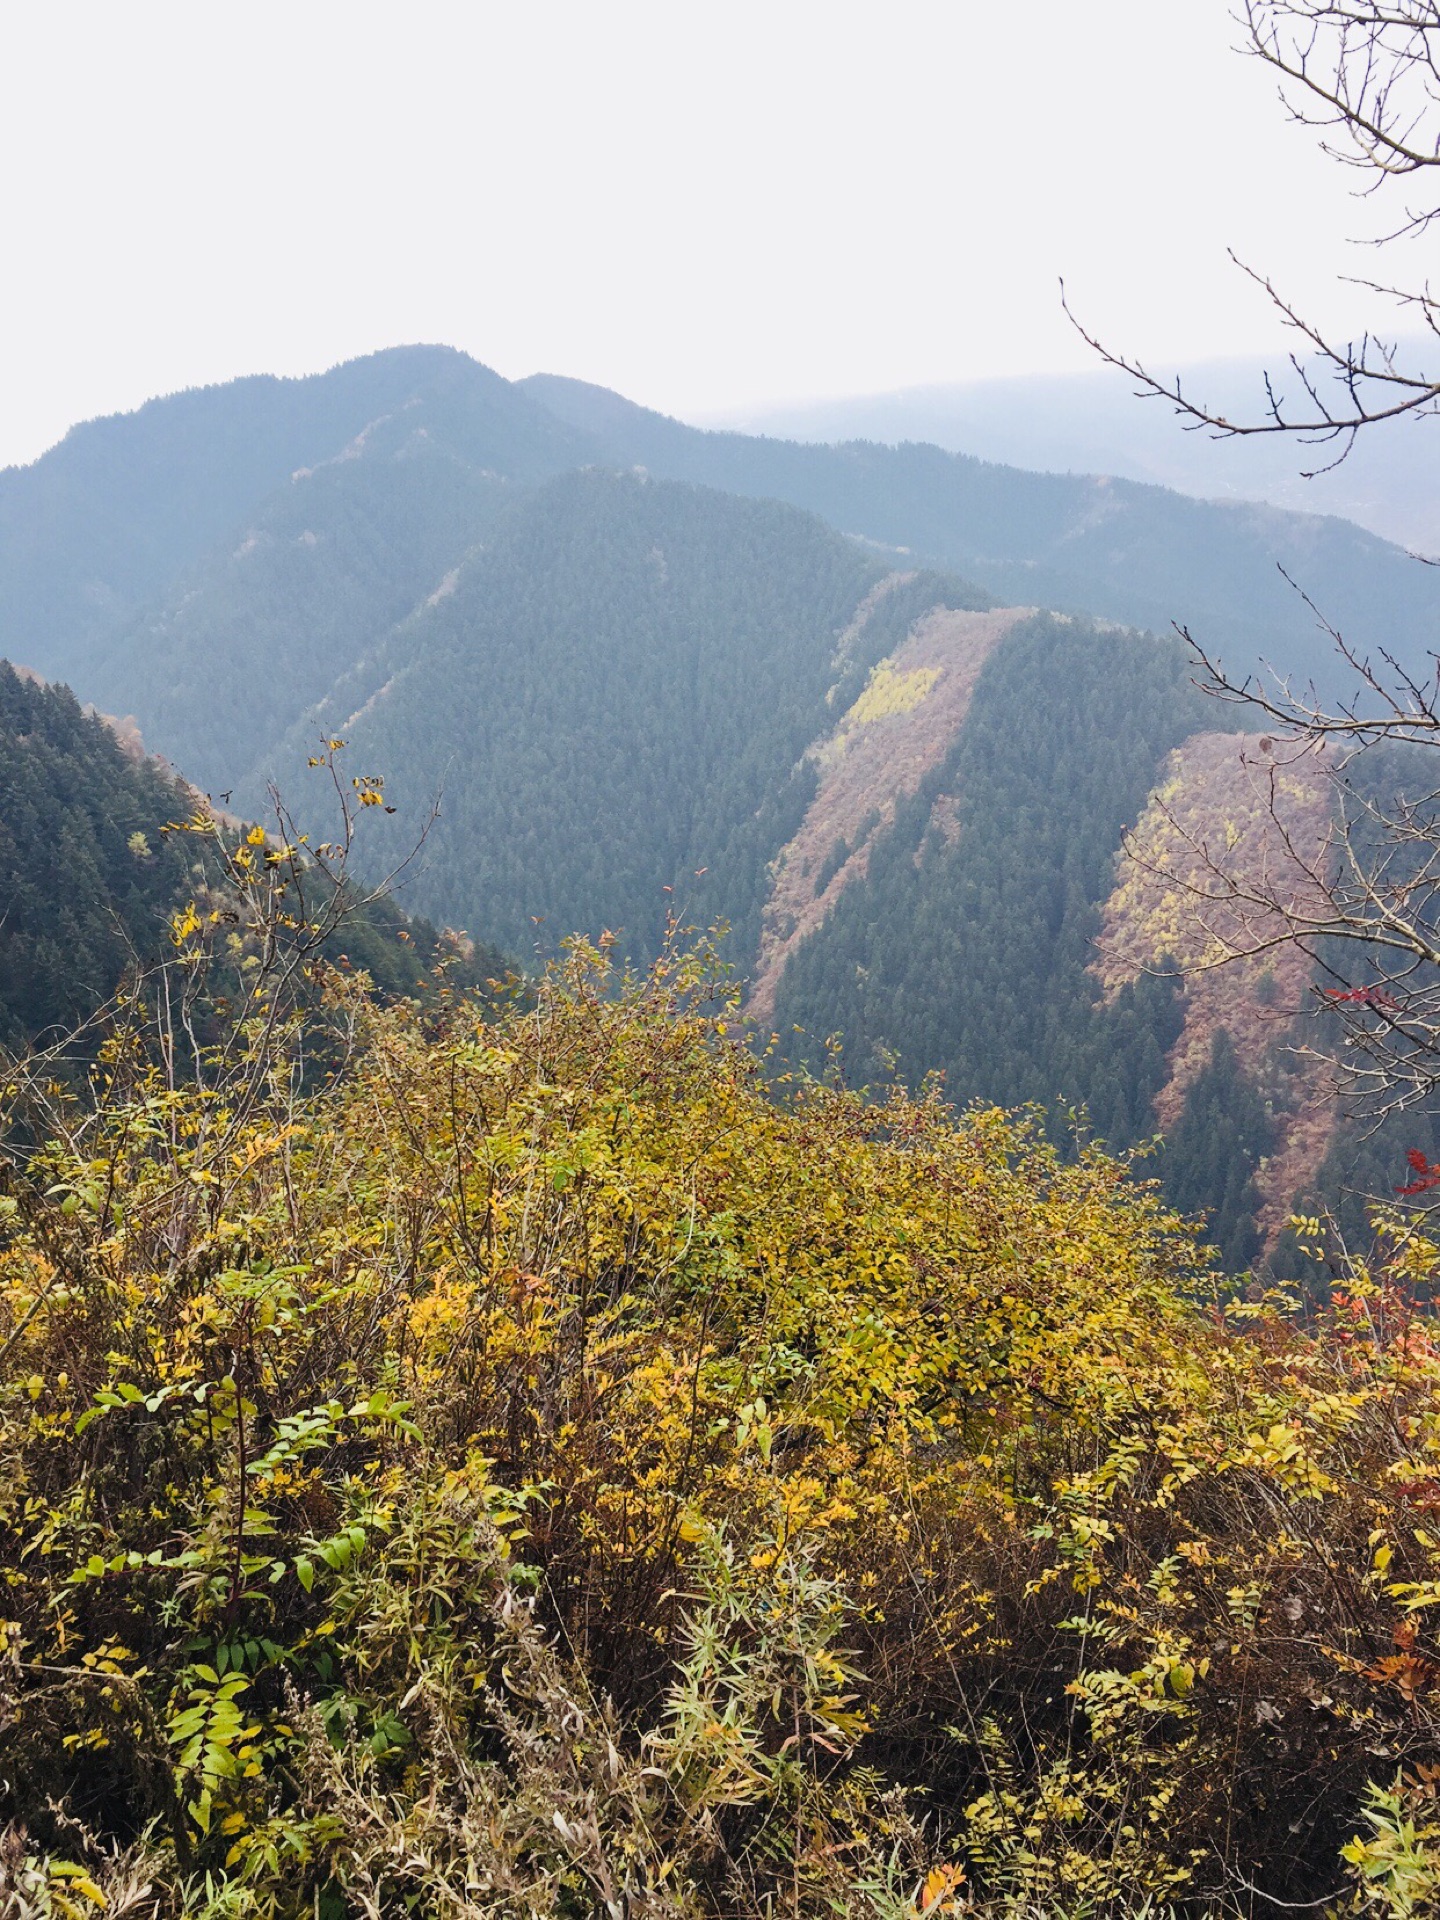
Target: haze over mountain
<point x="805" y="690"/>
<point x="1140" y="554"/>
<point x="101" y="524"/>
<point x="98" y="528"/>
<point x="1094" y="423"/>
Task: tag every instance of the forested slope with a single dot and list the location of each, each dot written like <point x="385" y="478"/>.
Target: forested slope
<point x="259" y="631"/>
<point x="92" y="871"/>
<point x="1135" y="553"/>
<point x="723" y="687"/>
<point x="616" y="698"/>
<point x="1017" y="905"/>
<point x="86" y="872"/>
<point x="101" y="525"/>
<point x="965" y="947"/>
<point x="96" y="534"/>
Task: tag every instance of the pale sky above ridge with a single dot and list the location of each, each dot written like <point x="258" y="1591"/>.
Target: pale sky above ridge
<point x="706" y="207"/>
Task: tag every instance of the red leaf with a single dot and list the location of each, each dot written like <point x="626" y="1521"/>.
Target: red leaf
<point x="1429" y="1176"/>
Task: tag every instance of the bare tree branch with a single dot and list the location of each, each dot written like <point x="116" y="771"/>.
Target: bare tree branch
<point x="1366" y="77"/>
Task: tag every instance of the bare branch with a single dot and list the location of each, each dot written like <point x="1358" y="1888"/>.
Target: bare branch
<point x="1366" y="77"/>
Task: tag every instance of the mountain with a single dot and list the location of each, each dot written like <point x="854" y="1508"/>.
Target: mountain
<point x="101" y="525"/>
<point x="1082" y="543"/>
<point x="619" y="699"/>
<point x="263" y="626"/>
<point x="655" y="676"/>
<point x="1093" y="422"/>
<point x="97" y="534"/>
<point x="614" y="1449"/>
<point x="615" y="694"/>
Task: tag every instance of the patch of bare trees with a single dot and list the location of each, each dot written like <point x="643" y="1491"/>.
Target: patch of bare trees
<point x="1366" y="909"/>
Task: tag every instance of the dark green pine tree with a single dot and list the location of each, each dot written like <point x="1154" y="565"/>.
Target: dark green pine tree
<point x="1212" y="1155"/>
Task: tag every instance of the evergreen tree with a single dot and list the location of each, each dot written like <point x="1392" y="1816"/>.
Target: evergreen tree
<point x="1211" y="1155"/>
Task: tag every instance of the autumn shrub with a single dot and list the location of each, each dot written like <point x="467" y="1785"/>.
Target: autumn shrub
<point x="542" y="1471"/>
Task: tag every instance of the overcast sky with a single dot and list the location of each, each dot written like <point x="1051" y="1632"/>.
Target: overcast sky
<point x="705" y="206"/>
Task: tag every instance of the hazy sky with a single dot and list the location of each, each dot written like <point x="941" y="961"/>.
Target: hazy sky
<point x="702" y="205"/>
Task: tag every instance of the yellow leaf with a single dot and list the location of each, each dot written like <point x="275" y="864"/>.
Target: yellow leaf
<point x="939" y="1883"/>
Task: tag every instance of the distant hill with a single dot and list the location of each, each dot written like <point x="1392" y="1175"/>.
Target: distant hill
<point x="95" y="536"/>
<point x="1138" y="554"/>
<point x="616" y="695"/>
<point x="102" y="524"/>
<point x="257" y="631"/>
<point x="1094" y="422"/>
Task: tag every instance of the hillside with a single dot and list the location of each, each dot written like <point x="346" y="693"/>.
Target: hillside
<point x="1091" y="423"/>
<point x="91" y="875"/>
<point x="259" y="631"/>
<point x="616" y="697"/>
<point x="1081" y="543"/>
<point x="101" y="525"/>
<point x="962" y="900"/>
<point x="726" y="687"/>
<point x="97" y="534"/>
<point x="87" y="875"/>
<point x="964" y="944"/>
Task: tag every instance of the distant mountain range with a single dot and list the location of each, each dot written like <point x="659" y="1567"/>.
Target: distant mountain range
<point x="94" y="534"/>
<point x="1094" y="423"/>
<point x="886" y="711"/>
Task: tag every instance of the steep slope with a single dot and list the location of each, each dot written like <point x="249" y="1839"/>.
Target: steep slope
<point x="89" y="874"/>
<point x="616" y="698"/>
<point x="263" y="627"/>
<point x="1029" y="918"/>
<point x="100" y="526"/>
<point x="904" y="722"/>
<point x="86" y="874"/>
<point x="965" y="947"/>
<point x="98" y="532"/>
<point x="1264" y="812"/>
<point x="1134" y="553"/>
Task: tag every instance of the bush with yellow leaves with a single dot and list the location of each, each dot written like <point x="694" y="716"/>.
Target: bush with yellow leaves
<point x="542" y="1471"/>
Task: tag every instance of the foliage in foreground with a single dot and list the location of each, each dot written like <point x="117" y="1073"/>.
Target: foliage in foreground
<point x="538" y="1473"/>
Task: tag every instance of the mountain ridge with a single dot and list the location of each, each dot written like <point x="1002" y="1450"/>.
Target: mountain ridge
<point x="1127" y="550"/>
<point x="100" y="527"/>
<point x="659" y="677"/>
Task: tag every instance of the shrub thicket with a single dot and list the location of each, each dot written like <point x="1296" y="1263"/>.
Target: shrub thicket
<point x="540" y="1473"/>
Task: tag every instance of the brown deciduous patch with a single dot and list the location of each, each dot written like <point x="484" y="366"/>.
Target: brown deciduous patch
<point x="901" y="727"/>
<point x="1230" y="801"/>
